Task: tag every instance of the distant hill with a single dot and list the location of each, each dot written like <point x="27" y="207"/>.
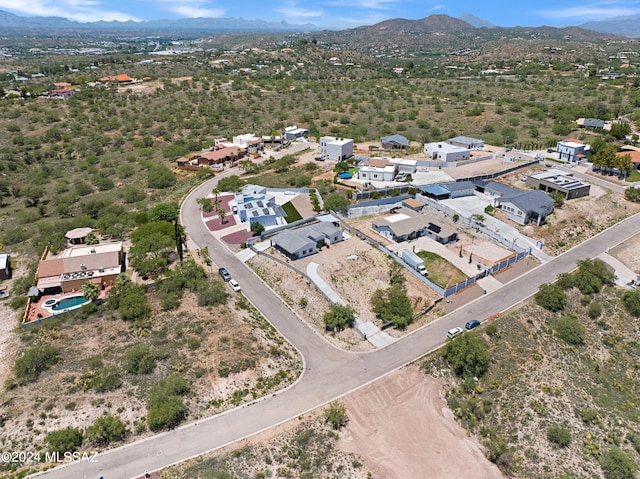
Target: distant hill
<point x="10" y="23"/>
<point x="477" y="22"/>
<point x="629" y="26"/>
<point x="446" y="34"/>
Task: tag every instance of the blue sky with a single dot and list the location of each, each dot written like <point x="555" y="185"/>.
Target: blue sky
<point x="329" y="13"/>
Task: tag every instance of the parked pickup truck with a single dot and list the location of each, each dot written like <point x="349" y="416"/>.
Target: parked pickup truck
<point x="414" y="261"/>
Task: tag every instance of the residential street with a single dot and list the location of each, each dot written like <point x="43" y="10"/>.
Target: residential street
<point x="329" y="373"/>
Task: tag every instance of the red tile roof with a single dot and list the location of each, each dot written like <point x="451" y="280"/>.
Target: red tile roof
<point x="635" y="155"/>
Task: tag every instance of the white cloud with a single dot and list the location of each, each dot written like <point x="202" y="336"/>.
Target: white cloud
<point x="294" y="12"/>
<point x="593" y="11"/>
<point x="370" y="4"/>
<point x="193" y="8"/>
<point x="370" y="19"/>
<point x="79" y="10"/>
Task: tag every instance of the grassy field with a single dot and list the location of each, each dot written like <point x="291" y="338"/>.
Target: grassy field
<point x="441" y="272"/>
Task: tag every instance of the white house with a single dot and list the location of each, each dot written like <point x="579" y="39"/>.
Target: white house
<point x="377" y="170"/>
<point x="243" y="141"/>
<point x="446" y="152"/>
<point x="293" y="132"/>
<point x="572" y="150"/>
<point x="254" y="205"/>
<point x="337" y="149"/>
<point x="405" y="166"/>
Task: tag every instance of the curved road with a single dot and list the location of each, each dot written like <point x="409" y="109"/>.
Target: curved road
<point x="329" y="372"/>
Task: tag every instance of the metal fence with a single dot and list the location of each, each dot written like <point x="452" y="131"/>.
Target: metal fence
<point x="494" y="269"/>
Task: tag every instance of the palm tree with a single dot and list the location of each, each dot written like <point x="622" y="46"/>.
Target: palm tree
<point x="90" y="291"/>
<point x="222" y="213"/>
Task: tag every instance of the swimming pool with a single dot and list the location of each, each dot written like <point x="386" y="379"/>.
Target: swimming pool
<point x="70" y="302"/>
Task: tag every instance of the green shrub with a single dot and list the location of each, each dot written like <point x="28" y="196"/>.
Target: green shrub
<point x="468" y="355"/>
<point x="570" y="329"/>
<point x="559" y="435"/>
<point x="140" y="359"/>
<point x="166" y="414"/>
<point x="106" y="379"/>
<point x="617" y="464"/>
<point x="336" y="415"/>
<point x="594" y="310"/>
<point x="492" y="330"/>
<point x="551" y="297"/>
<point x="338" y="317"/>
<point x="63" y="440"/>
<point x="212" y="293"/>
<point x="105" y="430"/>
<point x="34" y="361"/>
<point x="631" y="302"/>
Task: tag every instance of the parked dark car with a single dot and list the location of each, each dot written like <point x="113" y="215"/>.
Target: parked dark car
<point x="474" y="323"/>
<point x="224" y="274"/>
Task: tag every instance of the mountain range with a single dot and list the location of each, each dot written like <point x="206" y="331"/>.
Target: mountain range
<point x="10" y="23"/>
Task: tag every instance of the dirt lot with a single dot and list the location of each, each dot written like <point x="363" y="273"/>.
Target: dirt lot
<point x="627" y="253"/>
<point x="354" y="270"/>
<point x="400" y="427"/>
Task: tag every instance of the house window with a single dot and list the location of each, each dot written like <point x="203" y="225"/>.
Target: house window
<point x="375" y="176"/>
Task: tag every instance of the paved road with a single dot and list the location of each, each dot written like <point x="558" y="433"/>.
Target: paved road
<point x="329" y="373"/>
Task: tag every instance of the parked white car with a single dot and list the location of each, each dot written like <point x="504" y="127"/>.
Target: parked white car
<point x="234" y="285"/>
<point x="452" y="333"/>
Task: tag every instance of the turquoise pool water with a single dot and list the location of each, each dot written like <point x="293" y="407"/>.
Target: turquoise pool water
<point x="69" y="302"/>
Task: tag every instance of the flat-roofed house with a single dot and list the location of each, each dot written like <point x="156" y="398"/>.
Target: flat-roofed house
<point x="558" y="181"/>
<point x="336" y="149"/>
<point x="442" y="151"/>
<point x="572" y="150"/>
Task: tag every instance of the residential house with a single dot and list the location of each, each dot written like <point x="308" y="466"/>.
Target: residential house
<point x="572" y="150"/>
<point x="253" y="204"/>
<point x="467" y="142"/>
<point x="523" y="207"/>
<point x="5" y="266"/>
<point x="377" y="170"/>
<point x="591" y="123"/>
<point x="70" y="269"/>
<point x="306" y="240"/>
<point x="293" y="133"/>
<point x="214" y="157"/>
<point x="633" y="153"/>
<point x="336" y="149"/>
<point x="446" y="152"/>
<point x="61" y="93"/>
<point x="453" y="189"/>
<point x="253" y="144"/>
<point x="558" y="181"/>
<point x="406" y="166"/>
<point x="407" y="224"/>
<point x="394" y="142"/>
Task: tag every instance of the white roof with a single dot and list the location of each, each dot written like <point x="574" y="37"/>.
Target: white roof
<point x="442" y="146"/>
<point x="384" y="169"/>
<point x="91" y="249"/>
<point x="4" y="259"/>
<point x="571" y="144"/>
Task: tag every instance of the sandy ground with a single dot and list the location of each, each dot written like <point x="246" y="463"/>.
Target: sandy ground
<point x="400" y="427"/>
